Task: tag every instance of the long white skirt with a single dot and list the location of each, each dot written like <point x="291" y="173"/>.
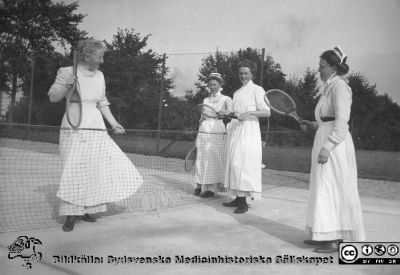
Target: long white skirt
<point x="334" y="209"/>
<point x="244" y="156"/>
<point x="211" y="155"/>
<point x="95" y="170"/>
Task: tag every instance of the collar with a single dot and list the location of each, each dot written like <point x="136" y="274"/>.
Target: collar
<point x="249" y="83"/>
<point x="216" y="96"/>
<point x="332" y="79"/>
<point x="86" y="72"/>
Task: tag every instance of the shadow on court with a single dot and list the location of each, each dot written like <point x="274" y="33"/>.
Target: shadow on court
<point x="281" y="231"/>
<point x="156" y="193"/>
<point x="271" y="227"/>
<point x="50" y="193"/>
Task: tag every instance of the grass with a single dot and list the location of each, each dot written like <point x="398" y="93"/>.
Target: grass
<point x="381" y="165"/>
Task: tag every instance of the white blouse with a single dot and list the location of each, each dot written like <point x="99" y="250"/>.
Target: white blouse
<point x="249" y="97"/>
<point x="219" y="102"/>
<point x="335" y="101"/>
<point x="91" y="83"/>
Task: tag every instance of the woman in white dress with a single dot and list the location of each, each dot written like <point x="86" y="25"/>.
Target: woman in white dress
<point x="244" y="152"/>
<point x="211" y="141"/>
<point x="334" y="209"/>
<point x="95" y="170"/>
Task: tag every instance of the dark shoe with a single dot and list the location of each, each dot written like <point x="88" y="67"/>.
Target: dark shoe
<point x="207" y="194"/>
<point x="329" y="247"/>
<point x="69" y="223"/>
<point x="233" y="203"/>
<point x="242" y="206"/>
<point x="312" y="242"/>
<point x="88" y="218"/>
<point x="320" y="243"/>
<point x="197" y="191"/>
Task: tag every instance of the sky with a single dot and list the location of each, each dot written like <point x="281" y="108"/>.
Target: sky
<point x="294" y="32"/>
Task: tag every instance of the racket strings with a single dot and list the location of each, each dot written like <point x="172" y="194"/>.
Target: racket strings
<point x="74" y="101"/>
<point x="281" y="102"/>
<point x="190" y="159"/>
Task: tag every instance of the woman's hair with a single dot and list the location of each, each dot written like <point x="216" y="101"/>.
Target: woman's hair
<point x="336" y="58"/>
<point x="217" y="77"/>
<point x="88" y="47"/>
<point x="248" y="64"/>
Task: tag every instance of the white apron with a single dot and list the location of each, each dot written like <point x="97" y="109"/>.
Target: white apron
<point x="334" y="209"/>
<point x="95" y="170"/>
<point x="211" y="147"/>
<point x="244" y="152"/>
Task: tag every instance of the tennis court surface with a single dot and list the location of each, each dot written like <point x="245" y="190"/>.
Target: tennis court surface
<point x="164" y="220"/>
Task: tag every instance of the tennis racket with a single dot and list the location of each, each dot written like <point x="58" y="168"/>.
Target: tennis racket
<point x="210" y="112"/>
<point x="190" y="159"/>
<point x="281" y="103"/>
<point x="74" y="101"/>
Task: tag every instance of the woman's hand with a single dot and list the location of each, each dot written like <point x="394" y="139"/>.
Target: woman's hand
<point x="323" y="156"/>
<point x="223" y="113"/>
<point x="307" y="125"/>
<point x="58" y="91"/>
<point x="75" y="98"/>
<point x="69" y="82"/>
<point x="245" y="116"/>
<point x="117" y="128"/>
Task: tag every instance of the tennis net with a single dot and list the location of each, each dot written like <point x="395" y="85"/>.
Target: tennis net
<point x="41" y="164"/>
<point x="38" y="165"/>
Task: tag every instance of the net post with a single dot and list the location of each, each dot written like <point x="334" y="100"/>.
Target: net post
<point x="33" y="60"/>
<point x="262" y="66"/>
<point x="261" y="84"/>
<point x="160" y="104"/>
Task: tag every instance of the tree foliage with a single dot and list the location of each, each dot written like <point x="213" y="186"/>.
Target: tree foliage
<point x="227" y="66"/>
<point x="306" y="94"/>
<point x="374" y="118"/>
<point x="31" y="29"/>
<point x="133" y="76"/>
<point x="33" y="32"/>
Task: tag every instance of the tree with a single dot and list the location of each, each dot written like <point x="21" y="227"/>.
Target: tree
<point x="133" y="77"/>
<point x="43" y="111"/>
<point x="30" y="29"/>
<point x="386" y="131"/>
<point x="226" y="65"/>
<point x="306" y="94"/>
<point x="369" y="109"/>
<point x="363" y="106"/>
<point x="181" y="114"/>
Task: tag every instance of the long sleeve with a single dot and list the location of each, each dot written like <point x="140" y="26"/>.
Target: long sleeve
<point x="60" y="86"/>
<point x="260" y="102"/>
<point x="103" y="102"/>
<point x="341" y="99"/>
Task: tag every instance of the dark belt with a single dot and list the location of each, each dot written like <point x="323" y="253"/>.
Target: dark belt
<point x="327" y="118"/>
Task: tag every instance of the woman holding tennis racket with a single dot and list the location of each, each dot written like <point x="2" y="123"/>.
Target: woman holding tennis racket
<point x="334" y="209"/>
<point x="244" y="154"/>
<point x="211" y="140"/>
<point x="95" y="170"/>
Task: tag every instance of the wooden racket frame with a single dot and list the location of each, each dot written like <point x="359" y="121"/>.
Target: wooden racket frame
<point x="187" y="167"/>
<point x="292" y="114"/>
<point x="202" y="105"/>
<point x="70" y="92"/>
